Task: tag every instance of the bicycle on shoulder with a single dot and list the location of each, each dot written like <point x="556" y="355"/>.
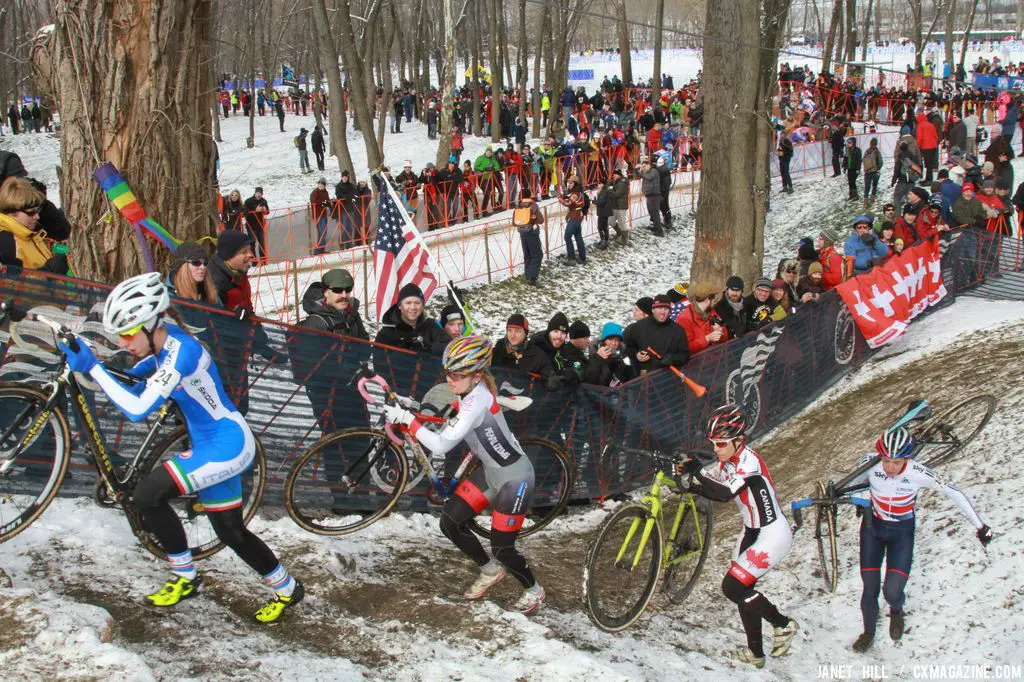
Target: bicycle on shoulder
<point x="632" y="549"/>
<point x="35" y="452"/>
<point x="349" y="479"/>
<point x="937" y="440"/>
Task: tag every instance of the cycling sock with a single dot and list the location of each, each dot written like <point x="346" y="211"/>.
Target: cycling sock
<point x="280" y="581"/>
<point x="183" y="565"/>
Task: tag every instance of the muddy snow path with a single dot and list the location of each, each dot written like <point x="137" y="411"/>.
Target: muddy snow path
<point x="383" y="604"/>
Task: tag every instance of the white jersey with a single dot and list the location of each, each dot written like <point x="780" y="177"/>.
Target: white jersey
<point x="893" y="498"/>
<point x="745" y="479"/>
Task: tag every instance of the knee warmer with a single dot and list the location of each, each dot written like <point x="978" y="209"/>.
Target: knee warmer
<point x="155" y="490"/>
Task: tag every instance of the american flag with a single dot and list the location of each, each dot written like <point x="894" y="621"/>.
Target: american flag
<point x="400" y="255"/>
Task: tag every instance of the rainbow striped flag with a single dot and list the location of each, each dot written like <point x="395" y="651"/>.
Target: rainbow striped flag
<point x="121" y="196"/>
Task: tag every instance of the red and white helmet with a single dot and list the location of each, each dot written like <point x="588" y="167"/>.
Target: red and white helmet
<point x="727" y="422"/>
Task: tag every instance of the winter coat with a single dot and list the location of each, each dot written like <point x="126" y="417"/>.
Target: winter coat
<point x="232" y="215"/>
<point x="567" y="362"/>
<point x="968" y="213"/>
<point x="233" y="288"/>
<point x="831" y="266"/>
<point x="256" y="210"/>
<point x="667" y="338"/>
<point x="734" y="321"/>
<point x="424" y="336"/>
<point x="620" y="195"/>
<point x="665" y="177"/>
<point x="697" y="326"/>
<point x="853" y="159"/>
<point x="864" y="256"/>
<point x="605" y="203"/>
<point x="759" y="314"/>
<point x="317" y="141"/>
<point x="651" y="185"/>
<point x="608" y="371"/>
<point x="872" y="161"/>
<point x="927" y="136"/>
<point x="530" y="359"/>
<point x="320" y="203"/>
<point x="322" y="317"/>
<point x="345" y="192"/>
<point x="301" y="141"/>
<point x="958" y="136"/>
<point x="31" y="246"/>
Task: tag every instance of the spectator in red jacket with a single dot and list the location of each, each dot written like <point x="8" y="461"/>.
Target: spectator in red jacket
<point x="654" y="139"/>
<point x="831" y="261"/>
<point x="928" y="141"/>
<point x="702" y="326"/>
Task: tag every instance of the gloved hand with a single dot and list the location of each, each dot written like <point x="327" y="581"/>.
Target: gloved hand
<point x="868" y="238"/>
<point x="553" y="382"/>
<point x="395" y="414"/>
<point x="666" y="361"/>
<point x="985" y="535"/>
<point x="82" y="361"/>
<point x="407" y="403"/>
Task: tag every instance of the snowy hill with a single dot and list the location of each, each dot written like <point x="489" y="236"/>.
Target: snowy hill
<point x="381" y="604"/>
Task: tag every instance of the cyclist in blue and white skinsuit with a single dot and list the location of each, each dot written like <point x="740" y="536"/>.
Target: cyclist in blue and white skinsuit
<point x="175" y="365"/>
<point x="888" y="531"/>
<point x="505" y="480"/>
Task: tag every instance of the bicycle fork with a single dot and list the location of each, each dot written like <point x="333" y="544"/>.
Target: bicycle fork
<point x="653" y="501"/>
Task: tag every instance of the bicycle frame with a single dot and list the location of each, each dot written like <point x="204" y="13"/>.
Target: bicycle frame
<point x="654" y="502"/>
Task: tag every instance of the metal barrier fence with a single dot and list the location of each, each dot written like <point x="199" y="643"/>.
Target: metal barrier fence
<point x="293" y="384"/>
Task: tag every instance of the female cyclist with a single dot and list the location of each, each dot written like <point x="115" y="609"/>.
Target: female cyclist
<point x="504" y="481"/>
<point x="888" y="531"/>
<point x="173" y="363"/>
<point x="741" y="475"/>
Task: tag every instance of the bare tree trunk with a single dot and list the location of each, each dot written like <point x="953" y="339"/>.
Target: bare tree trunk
<point x="360" y="104"/>
<point x="130" y="80"/>
<point x="447" y="84"/>
<point x="492" y="42"/>
<point x="542" y="25"/>
<point x="336" y="110"/>
<point x="622" y="30"/>
<point x="474" y="73"/>
<point x="916" y="32"/>
<point x="948" y="37"/>
<point x="833" y="25"/>
<point x="522" y="62"/>
<point x="659" y="31"/>
<point x="967" y="33"/>
<point x="878" y="21"/>
<point x="1020" y="17"/>
<point x="867" y="32"/>
<point x="732" y="201"/>
<point x="851" y="30"/>
<point x="499" y="7"/>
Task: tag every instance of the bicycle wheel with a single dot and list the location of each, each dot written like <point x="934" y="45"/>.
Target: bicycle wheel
<point x="825" y="534"/>
<point x="31" y="483"/>
<point x="345" y="481"/>
<point x="202" y="540"/>
<point x="621" y="574"/>
<point x="553" y="483"/>
<point x="956" y="427"/>
<point x="689" y="550"/>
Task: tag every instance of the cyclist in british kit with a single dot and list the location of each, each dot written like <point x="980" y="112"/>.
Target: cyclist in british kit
<point x="888" y="531"/>
<point x="740" y="474"/>
<point x="172" y="364"/>
<point x="505" y="480"/>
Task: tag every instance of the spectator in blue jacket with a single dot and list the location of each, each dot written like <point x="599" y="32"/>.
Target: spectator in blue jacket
<point x="863" y="246"/>
<point x="950" y="192"/>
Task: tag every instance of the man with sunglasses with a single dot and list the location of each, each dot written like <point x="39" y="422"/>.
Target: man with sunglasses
<point x="173" y="364"/>
<point x="738" y="473"/>
<point x="888" y="530"/>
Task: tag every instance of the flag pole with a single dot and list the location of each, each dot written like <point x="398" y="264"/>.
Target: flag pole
<point x="423" y="244"/>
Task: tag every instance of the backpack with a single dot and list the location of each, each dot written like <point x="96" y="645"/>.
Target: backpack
<point x="295" y="140"/>
<point x="912" y="171"/>
<point x="522" y="216"/>
<point x="586" y="204"/>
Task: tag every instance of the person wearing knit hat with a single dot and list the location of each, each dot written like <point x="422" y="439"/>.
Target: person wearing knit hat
<point x="256" y="210"/>
<point x="702" y="326"/>
<point x="730" y="308"/>
<point x="452" y="320"/>
<point x="656" y="342"/>
<point x="559" y="322"/>
<point x="579" y="335"/>
<point x="518" y="320"/>
<point x="759" y="305"/>
<point x="189" y="278"/>
<point x="516" y="352"/>
<point x="567" y="363"/>
<point x="404" y="325"/>
<point x="607" y="366"/>
<point x="828" y="256"/>
<point x="230" y="242"/>
<point x="642" y="308"/>
<point x="918" y="196"/>
<point x="811" y="286"/>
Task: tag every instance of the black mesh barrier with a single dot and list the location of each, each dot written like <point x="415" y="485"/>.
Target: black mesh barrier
<point x="294" y="385"/>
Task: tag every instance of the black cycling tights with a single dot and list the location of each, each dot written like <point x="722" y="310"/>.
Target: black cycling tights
<point x="753" y="608"/>
<point x="454" y="524"/>
<point x="152" y="496"/>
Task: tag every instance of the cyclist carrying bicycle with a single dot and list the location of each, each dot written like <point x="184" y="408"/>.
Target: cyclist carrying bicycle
<point x="505" y="480"/>
<point x="741" y="475"/>
<point x="888" y="531"/>
<point x="173" y="364"/>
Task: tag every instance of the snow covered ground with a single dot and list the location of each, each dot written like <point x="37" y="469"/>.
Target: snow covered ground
<point x="382" y="604"/>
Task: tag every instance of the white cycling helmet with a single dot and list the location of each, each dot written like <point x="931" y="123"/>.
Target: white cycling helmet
<point x="136" y="301"/>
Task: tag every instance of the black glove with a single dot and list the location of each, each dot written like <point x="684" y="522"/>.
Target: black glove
<point x="666" y="361"/>
<point x="868" y="238"/>
<point x="985" y="535"/>
<point x="553" y="382"/>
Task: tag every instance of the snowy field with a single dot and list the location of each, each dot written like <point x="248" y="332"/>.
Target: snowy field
<point x="383" y="604"/>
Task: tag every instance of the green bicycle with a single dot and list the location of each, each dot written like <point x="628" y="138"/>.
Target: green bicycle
<point x="631" y="550"/>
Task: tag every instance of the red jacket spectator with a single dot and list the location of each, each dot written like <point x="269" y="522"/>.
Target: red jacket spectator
<point x="653" y="139"/>
<point x="927" y="135"/>
<point x="698" y="325"/>
<point x="832" y="267"/>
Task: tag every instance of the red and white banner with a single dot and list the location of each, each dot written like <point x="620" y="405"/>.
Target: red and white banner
<point x="884" y="300"/>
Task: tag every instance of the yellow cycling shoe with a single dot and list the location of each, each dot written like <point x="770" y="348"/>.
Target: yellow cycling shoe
<point x="272" y="610"/>
<point x="175" y="590"/>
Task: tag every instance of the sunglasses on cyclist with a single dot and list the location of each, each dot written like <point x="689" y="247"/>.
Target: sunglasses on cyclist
<point x="341" y="290"/>
<point x="720" y="443"/>
<point x="130" y="333"/>
<point x="455" y="376"/>
<point x="199" y="262"/>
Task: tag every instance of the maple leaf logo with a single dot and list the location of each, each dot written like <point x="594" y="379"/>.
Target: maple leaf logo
<point x="757" y="559"/>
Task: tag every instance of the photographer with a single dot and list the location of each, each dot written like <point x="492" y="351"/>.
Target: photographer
<point x="608" y="364"/>
<point x="320" y="207"/>
<point x="702" y="325"/>
<point x="863" y="250"/>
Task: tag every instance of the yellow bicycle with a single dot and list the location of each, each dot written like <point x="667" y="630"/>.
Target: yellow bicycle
<point x="631" y="550"/>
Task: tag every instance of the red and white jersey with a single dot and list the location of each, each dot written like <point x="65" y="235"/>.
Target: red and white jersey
<point x="893" y="498"/>
<point x="745" y="479"/>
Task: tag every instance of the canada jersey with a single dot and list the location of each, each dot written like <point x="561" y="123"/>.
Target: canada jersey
<point x="745" y="479"/>
<point x="481" y="424"/>
<point x="893" y="498"/>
